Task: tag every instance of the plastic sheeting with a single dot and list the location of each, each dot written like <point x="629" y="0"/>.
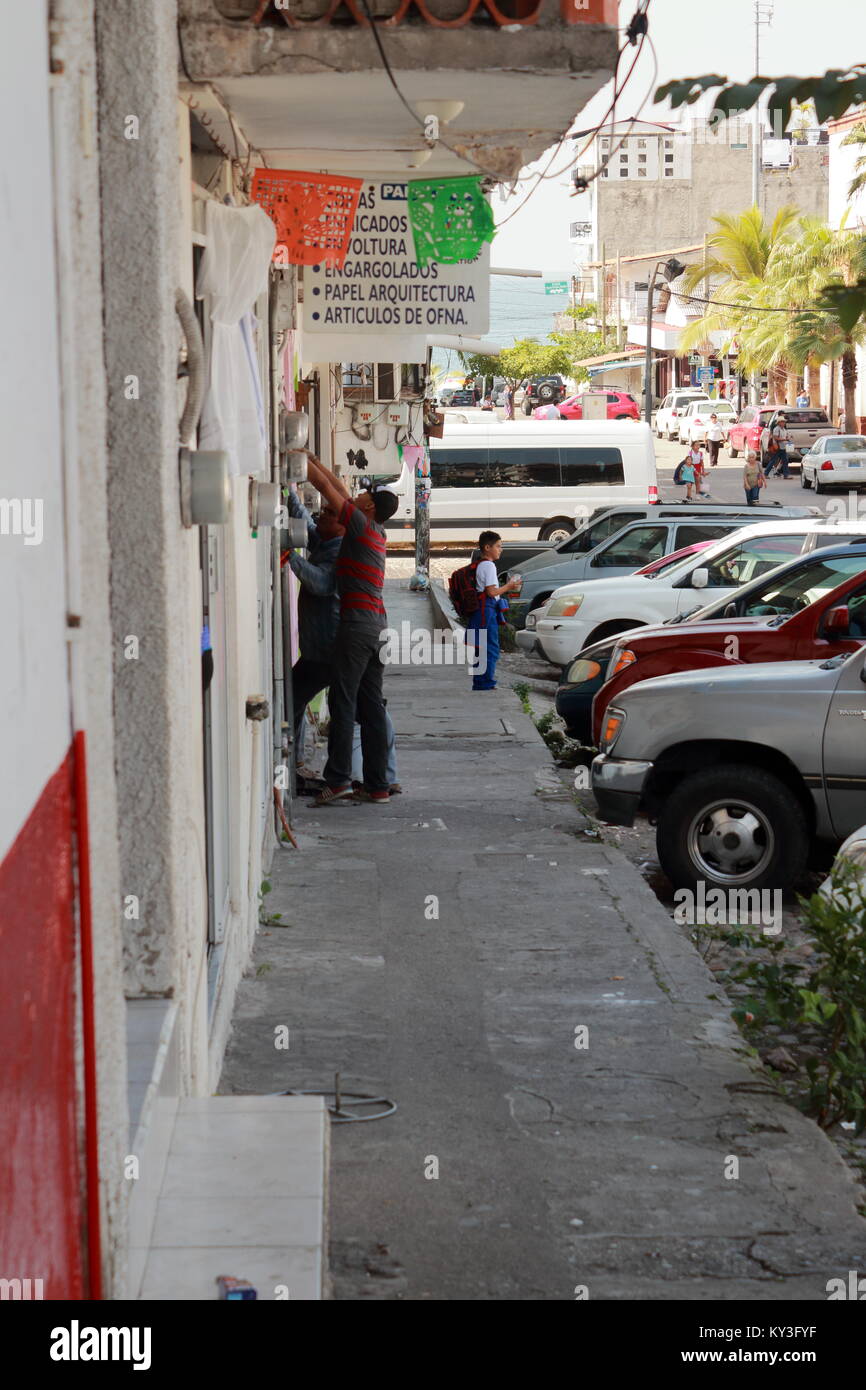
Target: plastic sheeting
<point x="233" y="273"/>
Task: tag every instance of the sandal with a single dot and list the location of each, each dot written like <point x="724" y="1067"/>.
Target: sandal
<point x="329" y="795"/>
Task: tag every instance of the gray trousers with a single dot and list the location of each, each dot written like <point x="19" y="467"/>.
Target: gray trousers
<point x="356" y="684"/>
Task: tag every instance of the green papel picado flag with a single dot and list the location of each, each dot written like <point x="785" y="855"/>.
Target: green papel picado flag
<point x="451" y="219"/>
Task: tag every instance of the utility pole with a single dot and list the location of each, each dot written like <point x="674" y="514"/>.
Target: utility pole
<point x="603" y="299"/>
<point x="618" y="303"/>
<point x="763" y="17"/>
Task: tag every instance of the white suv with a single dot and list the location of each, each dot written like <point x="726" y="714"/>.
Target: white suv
<point x="577" y="615"/>
<point x="694" y="424"/>
<point x="673" y="405"/>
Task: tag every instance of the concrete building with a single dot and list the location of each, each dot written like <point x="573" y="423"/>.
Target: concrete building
<point x="661" y="185"/>
<point x="850" y="212"/>
<point x="148" y="627"/>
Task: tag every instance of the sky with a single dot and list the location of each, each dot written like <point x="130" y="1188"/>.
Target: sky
<point x="805" y="38"/>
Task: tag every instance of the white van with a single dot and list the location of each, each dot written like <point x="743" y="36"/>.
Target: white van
<point x="529" y="480"/>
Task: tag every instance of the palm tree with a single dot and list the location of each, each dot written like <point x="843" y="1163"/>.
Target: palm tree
<point x="809" y="275"/>
<point x="739" y="253"/>
<point x="857" y="136"/>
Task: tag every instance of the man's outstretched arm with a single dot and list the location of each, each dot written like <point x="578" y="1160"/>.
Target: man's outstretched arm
<point x="325" y="482"/>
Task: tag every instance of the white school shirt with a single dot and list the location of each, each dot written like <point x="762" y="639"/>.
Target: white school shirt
<point x="715" y="432"/>
<point x="486" y="574"/>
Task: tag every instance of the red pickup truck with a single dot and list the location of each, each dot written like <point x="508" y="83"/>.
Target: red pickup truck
<point x="814" y="608"/>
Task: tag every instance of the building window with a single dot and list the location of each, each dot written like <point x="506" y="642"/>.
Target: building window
<point x="669" y="173"/>
<point x="641" y="159"/>
<point x="641" y="144"/>
<point x="623" y="159"/>
<point x="669" y="144"/>
<point x="604" y="172"/>
<point x="641" y="173"/>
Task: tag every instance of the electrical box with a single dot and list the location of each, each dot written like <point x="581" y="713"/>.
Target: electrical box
<point x="366" y="414"/>
<point x="397" y="413"/>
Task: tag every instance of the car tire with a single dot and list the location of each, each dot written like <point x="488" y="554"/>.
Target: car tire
<point x="732" y="452"/>
<point x="558" y="529"/>
<point x="804" y="481"/>
<point x="527" y="407"/>
<point x="670" y="437"/>
<point x="546" y="394"/>
<point x="819" y="487"/>
<point x="781" y="829"/>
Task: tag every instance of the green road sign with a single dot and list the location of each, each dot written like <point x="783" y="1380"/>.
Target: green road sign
<point x="556" y="287"/>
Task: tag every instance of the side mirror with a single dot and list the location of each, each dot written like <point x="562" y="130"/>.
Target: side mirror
<point x="836" y="622"/>
<point x="700" y="578"/>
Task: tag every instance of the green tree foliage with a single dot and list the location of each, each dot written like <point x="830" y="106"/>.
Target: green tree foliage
<point x="832" y="95"/>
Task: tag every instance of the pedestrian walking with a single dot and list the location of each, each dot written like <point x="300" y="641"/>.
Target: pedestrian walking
<point x="702" y="487"/>
<point x="356" y="680"/>
<point x="753" y="477"/>
<point x="509" y="402"/>
<point x="779" y="432"/>
<point x="715" y="435"/>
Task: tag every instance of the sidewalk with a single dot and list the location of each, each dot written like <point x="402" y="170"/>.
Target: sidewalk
<point x="557" y="1167"/>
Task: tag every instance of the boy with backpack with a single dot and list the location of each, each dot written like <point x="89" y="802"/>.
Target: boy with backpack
<point x="477" y="596"/>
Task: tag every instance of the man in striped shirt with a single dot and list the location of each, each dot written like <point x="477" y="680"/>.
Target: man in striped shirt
<point x="356" y="682"/>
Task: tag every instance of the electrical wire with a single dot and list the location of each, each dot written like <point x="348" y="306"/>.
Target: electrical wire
<point x="575" y="157"/>
<point x="412" y="112"/>
<point x="749" y="308"/>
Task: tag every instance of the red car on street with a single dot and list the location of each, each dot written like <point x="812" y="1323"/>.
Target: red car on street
<point x="620" y="406"/>
<point x="813" y="607"/>
<point x="745" y="432"/>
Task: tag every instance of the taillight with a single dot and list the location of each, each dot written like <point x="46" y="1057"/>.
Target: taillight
<point x="652" y="495"/>
<point x="825" y="465"/>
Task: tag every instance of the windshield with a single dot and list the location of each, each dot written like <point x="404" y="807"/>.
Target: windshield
<point x="788" y="593"/>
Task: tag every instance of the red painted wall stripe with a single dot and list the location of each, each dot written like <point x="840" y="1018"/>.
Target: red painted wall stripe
<point x="41" y="1207"/>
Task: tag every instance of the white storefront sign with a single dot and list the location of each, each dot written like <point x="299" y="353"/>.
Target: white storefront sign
<point x="382" y="291"/>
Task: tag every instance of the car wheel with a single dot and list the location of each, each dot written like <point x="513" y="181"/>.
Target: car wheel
<point x="557" y="530"/>
<point x="546" y="394"/>
<point x="670" y="437"/>
<point x="527" y="407"/>
<point x="804" y="480"/>
<point x="732" y="452"/>
<point x="819" y="486"/>
<point x="734" y="827"/>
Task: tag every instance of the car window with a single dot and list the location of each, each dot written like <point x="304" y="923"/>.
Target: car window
<point x="791" y="592"/>
<point x="537" y="467"/>
<point x="594" y="535"/>
<point x="857" y="613"/>
<point x="805" y="417"/>
<point x="592" y="465"/>
<point x="636" y="548"/>
<point x="752" y="558"/>
<point x="848" y="444"/>
<point x="458" y="468"/>
<point x="747" y="416"/>
<point x="694" y="534"/>
<point x="666" y="403"/>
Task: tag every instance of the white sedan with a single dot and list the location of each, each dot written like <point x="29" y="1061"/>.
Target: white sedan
<point x="835" y="461"/>
<point x="693" y="425"/>
<point x="577" y="615"/>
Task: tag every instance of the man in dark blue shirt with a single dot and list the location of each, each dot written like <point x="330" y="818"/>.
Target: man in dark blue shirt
<point x="318" y="604"/>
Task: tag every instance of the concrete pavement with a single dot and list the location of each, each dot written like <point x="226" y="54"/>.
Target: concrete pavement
<point x="559" y="1054"/>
